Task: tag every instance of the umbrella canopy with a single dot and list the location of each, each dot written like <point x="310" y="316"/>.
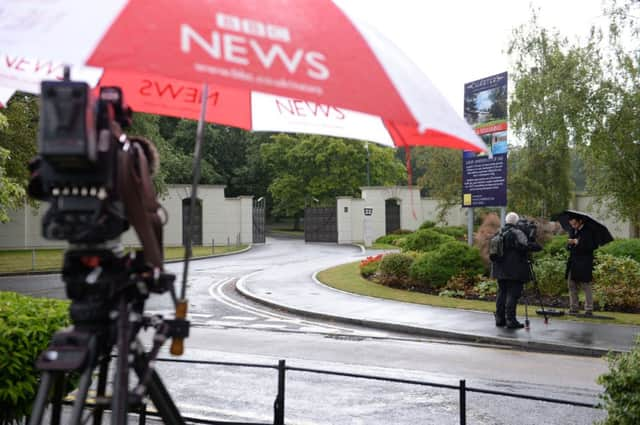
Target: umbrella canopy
<point x="601" y="233"/>
<point x="315" y="57"/>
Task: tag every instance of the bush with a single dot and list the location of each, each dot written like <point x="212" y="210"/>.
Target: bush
<point x="487" y="288"/>
<point x="458" y="232"/>
<point x="550" y="271"/>
<point x="425" y="240"/>
<point x="369" y="266"/>
<point x="389" y="239"/>
<point x="427" y="225"/>
<point x="26" y="326"/>
<point x="622" y="248"/>
<point x="556" y="247"/>
<point x="490" y="225"/>
<point x="433" y="269"/>
<point x="621" y="397"/>
<point x="394" y="270"/>
<point x="616" y="283"/>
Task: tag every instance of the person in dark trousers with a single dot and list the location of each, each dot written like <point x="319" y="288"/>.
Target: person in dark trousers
<point x="512" y="272"/>
<point x="579" y="271"/>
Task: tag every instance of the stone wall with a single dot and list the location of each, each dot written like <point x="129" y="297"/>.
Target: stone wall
<point x="223" y="219"/>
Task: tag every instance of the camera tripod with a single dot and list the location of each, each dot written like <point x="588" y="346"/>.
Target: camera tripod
<point x="107" y="294"/>
<point x="542" y="311"/>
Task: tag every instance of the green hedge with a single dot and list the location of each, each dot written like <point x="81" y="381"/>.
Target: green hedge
<point x="394" y="270"/>
<point x="425" y="240"/>
<point x="433" y="269"/>
<point x="26" y="326"/>
<point x="550" y="271"/>
<point x="621" y="397"/>
<point x="616" y="283"/>
<point x="556" y="247"/>
<point x="458" y="232"/>
<point x="622" y="248"/>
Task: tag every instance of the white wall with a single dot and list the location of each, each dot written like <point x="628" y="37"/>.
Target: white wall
<point x="351" y="224"/>
<point x="222" y="219"/>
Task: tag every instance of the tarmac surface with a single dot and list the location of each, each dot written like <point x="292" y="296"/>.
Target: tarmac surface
<point x="292" y="286"/>
<point x="311" y="298"/>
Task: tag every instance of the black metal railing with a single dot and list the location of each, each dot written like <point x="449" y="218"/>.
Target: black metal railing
<point x="279" y="402"/>
<point x="282" y="368"/>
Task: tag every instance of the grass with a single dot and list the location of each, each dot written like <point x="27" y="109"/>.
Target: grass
<point x="347" y="278"/>
<point x="23" y="260"/>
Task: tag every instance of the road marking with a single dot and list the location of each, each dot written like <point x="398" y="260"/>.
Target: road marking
<point x="215" y="290"/>
<point x="242" y="318"/>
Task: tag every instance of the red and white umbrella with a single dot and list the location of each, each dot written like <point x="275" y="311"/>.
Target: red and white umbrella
<point x="280" y="65"/>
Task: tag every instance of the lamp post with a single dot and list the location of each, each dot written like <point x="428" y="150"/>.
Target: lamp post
<point x="366" y="147"/>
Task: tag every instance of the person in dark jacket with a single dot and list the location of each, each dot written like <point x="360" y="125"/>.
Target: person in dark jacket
<point x="581" y="245"/>
<point x="512" y="272"/>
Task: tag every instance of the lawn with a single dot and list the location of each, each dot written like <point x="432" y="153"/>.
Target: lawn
<point x="347" y="278"/>
<point x="17" y="261"/>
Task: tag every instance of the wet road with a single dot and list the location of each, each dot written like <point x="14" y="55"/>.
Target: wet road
<point x="230" y="328"/>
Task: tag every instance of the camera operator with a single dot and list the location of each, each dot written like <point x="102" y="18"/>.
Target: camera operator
<point x="579" y="270"/>
<point x="512" y="270"/>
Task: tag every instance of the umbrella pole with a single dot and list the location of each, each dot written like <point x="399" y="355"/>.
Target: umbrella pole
<point x="177" y="347"/>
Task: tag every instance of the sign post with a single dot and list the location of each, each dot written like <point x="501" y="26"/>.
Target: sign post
<point x="484" y="179"/>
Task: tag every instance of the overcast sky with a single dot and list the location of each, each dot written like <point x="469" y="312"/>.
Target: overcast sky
<point x="458" y="41"/>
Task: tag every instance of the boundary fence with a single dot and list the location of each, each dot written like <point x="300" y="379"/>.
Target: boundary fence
<point x="282" y="368"/>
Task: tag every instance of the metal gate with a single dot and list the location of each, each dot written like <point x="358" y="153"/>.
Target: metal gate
<point x="320" y="224"/>
<point x="392" y="215"/>
<point x="259" y="220"/>
<point x="196" y="228"/>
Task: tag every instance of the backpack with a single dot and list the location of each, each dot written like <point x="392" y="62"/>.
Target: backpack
<point x="496" y="246"/>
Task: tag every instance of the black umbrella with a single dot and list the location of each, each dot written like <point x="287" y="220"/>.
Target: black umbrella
<point x="601" y="234"/>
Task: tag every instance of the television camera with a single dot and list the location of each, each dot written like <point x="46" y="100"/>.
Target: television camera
<point x="98" y="182"/>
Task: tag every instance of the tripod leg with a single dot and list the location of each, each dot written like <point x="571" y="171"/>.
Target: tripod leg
<point x="102" y="386"/>
<point x="158" y="392"/>
<point x="81" y="396"/>
<point x="39" y="405"/>
<point x="162" y="401"/>
<point x="59" y="385"/>
<point x="120" y="403"/>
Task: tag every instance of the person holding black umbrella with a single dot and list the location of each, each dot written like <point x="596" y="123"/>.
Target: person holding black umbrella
<point x="579" y="272"/>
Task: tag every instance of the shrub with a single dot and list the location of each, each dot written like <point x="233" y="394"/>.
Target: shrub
<point x="616" y="283"/>
<point x="425" y="240"/>
<point x="369" y="266"/>
<point x="621" y="397"/>
<point x="622" y="248"/>
<point x="550" y="271"/>
<point x="389" y="239"/>
<point x="435" y="268"/>
<point x="490" y="225"/>
<point x="555" y="247"/>
<point x="486" y="288"/>
<point x="394" y="270"/>
<point x="458" y="232"/>
<point x="427" y="225"/>
<point x="26" y="326"/>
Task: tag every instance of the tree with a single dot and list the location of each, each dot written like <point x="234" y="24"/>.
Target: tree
<point x="555" y="103"/>
<point x="11" y="193"/>
<point x="441" y="177"/>
<point x="19" y="136"/>
<point x="304" y="167"/>
<point x="613" y="154"/>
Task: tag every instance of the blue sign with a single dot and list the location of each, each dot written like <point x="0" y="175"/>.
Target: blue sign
<point x="484" y="180"/>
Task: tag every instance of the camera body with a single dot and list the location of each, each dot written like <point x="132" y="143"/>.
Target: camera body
<point x="77" y="163"/>
<point x="529" y="228"/>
